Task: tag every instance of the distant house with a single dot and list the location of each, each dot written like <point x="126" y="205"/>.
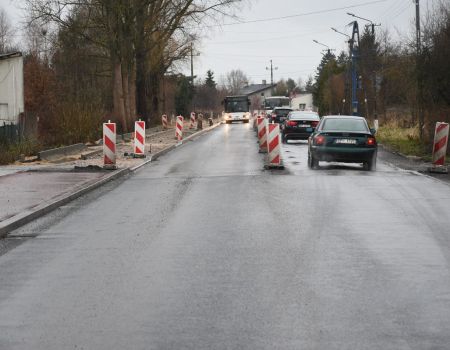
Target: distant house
<point x="303" y="101"/>
<point x="257" y="93"/>
<point x="11" y="87"/>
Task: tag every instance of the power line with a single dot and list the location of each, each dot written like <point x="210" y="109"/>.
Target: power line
<point x="297" y="15"/>
<point x="266" y="39"/>
<point x="237" y="55"/>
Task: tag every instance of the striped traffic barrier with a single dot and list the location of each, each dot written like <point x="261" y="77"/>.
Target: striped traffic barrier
<point x="440" y="148"/>
<point x="262" y="135"/>
<point x="139" y="139"/>
<point x="192" y="124"/>
<point x="273" y="146"/>
<point x="164" y="121"/>
<point x="179" y="128"/>
<point x="109" y="145"/>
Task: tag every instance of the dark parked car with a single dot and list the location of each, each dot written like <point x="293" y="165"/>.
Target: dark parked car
<point x="345" y="139"/>
<point x="279" y="114"/>
<point x="299" y="125"/>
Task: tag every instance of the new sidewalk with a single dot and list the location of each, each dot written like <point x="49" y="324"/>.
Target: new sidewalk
<point x="29" y="191"/>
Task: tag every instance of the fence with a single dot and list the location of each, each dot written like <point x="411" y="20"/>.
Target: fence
<point x="27" y="128"/>
<point x="9" y="133"/>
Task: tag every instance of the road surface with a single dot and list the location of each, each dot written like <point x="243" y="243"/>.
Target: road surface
<point x="203" y="249"/>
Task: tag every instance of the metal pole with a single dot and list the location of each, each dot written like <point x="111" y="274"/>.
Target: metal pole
<point x="374" y="77"/>
<point x="419" y="71"/>
<point x="271" y="73"/>
<point x="354" y="79"/>
<point x="192" y="64"/>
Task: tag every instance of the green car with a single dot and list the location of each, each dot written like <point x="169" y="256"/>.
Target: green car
<point x="342" y="138"/>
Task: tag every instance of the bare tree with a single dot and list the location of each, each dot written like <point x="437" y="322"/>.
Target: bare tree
<point x="236" y="80"/>
<point x="142" y="39"/>
<point x="6" y="32"/>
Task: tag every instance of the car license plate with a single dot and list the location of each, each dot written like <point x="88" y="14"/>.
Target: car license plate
<point x="309" y="129"/>
<point x="303" y="126"/>
<point x="346" y="141"/>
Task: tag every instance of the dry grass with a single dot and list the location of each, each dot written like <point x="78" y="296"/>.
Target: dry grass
<point x="403" y="140"/>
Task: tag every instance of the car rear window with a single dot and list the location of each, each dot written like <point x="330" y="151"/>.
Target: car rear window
<point x="282" y="112"/>
<point x="344" y="124"/>
<point x="303" y="116"/>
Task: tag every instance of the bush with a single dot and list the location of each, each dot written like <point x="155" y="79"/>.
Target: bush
<point x="10" y="152"/>
<point x="75" y="122"/>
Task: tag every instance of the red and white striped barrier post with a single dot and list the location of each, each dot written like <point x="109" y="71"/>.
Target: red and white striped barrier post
<point x="440" y="148"/>
<point x="191" y="126"/>
<point x="179" y="128"/>
<point x="273" y="145"/>
<point x="262" y="135"/>
<point x="139" y="139"/>
<point x="164" y="121"/>
<point x="109" y="145"/>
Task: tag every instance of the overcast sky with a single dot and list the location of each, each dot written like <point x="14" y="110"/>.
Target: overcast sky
<point x="287" y="41"/>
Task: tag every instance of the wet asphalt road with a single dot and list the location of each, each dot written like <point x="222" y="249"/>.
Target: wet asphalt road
<point x="205" y="250"/>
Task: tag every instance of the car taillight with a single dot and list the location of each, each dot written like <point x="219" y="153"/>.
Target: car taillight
<point x="314" y="124"/>
<point x="291" y="123"/>
<point x="319" y="140"/>
<point x="371" y="141"/>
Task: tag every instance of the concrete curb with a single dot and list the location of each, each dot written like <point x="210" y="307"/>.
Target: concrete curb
<point x="27" y="216"/>
<point x="61" y="151"/>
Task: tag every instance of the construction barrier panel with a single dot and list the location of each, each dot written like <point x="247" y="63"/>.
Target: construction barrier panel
<point x="179" y="128"/>
<point x="164" y="121"/>
<point x="262" y="135"/>
<point x="109" y="145"/>
<point x="273" y="145"/>
<point x="192" y="124"/>
<point x="139" y="138"/>
<point x="440" y="144"/>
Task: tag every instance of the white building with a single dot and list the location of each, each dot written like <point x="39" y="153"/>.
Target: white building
<point x="303" y="101"/>
<point x="11" y="87"/>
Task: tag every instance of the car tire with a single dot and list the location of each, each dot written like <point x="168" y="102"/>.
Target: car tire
<point x="313" y="163"/>
<point x="283" y="139"/>
<point x="371" y="165"/>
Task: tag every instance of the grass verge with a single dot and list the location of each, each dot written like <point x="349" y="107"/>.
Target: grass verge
<point x="403" y="140"/>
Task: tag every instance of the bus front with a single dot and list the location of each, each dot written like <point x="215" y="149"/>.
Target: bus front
<point x="236" y="109"/>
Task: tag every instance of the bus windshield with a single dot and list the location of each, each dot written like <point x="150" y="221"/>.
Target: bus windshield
<point x="272" y="102"/>
<point x="236" y="106"/>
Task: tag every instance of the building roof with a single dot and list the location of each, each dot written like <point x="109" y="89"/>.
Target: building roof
<point x="4" y="56"/>
<point x="255" y="88"/>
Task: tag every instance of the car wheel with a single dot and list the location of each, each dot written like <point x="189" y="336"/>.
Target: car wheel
<point x="313" y="163"/>
<point x="371" y="165"/>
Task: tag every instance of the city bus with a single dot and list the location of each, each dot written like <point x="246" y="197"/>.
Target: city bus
<point x="237" y="109"/>
<point x="275" y="101"/>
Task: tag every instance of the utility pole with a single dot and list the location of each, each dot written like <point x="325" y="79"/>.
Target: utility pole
<point x="272" y="68"/>
<point x="374" y="73"/>
<point x="192" y="64"/>
<point x="354" y="55"/>
<point x="419" y="71"/>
